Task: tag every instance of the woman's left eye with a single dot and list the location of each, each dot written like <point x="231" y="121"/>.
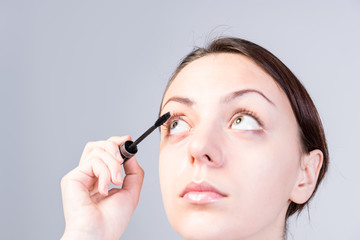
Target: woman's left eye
<point x="245" y="122"/>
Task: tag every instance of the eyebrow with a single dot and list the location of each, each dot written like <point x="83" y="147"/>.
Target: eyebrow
<point x="233" y="95"/>
<point x="242" y="92"/>
<point x="184" y="100"/>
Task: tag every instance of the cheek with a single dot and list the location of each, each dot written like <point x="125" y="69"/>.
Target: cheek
<point x="262" y="175"/>
<point x="171" y="168"/>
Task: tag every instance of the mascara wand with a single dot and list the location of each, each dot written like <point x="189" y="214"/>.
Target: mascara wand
<point x="129" y="148"/>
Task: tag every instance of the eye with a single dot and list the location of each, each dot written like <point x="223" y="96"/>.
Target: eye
<point x="178" y="126"/>
<point x="245" y="122"/>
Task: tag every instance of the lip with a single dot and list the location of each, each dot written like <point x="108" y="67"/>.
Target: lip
<point x="201" y="193"/>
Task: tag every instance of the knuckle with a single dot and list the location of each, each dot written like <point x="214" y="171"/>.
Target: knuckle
<point x="89" y="144"/>
<point x="109" y="146"/>
<point x="114" y="167"/>
<point x="105" y="174"/>
<point x="112" y="138"/>
<point x="96" y="162"/>
<point x="64" y="180"/>
<point x="113" y="147"/>
<point x="97" y="150"/>
<point x="142" y="172"/>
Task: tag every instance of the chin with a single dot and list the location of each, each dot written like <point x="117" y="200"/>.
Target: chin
<point x="196" y="232"/>
<point x="202" y="225"/>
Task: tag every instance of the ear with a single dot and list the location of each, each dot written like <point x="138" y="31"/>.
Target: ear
<point x="307" y="178"/>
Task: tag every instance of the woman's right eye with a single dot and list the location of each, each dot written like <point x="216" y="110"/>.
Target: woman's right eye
<point x="178" y="126"/>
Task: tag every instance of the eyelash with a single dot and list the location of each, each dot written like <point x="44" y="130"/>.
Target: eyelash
<point x="242" y="111"/>
<point x="174" y="116"/>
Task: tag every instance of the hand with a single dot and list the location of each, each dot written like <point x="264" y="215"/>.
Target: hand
<point x="91" y="210"/>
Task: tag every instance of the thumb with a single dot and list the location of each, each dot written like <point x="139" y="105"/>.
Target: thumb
<point x="133" y="179"/>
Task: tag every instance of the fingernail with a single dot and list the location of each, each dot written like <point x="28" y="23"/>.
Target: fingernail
<point x="118" y="177"/>
<point x="106" y="189"/>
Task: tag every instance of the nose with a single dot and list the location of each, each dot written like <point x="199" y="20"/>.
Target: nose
<point x="205" y="147"/>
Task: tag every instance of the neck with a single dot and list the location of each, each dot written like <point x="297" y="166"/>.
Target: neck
<point x="273" y="231"/>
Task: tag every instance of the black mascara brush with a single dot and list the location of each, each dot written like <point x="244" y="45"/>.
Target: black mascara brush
<point x="129" y="148"/>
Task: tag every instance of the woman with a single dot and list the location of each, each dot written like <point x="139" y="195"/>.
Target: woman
<point x="243" y="150"/>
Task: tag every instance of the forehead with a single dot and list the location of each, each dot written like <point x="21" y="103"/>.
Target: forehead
<point x="216" y="75"/>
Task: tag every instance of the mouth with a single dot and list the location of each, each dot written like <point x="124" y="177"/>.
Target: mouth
<point x="201" y="193"/>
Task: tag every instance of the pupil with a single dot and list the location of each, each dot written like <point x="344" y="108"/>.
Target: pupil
<point x="238" y="120"/>
<point x="174" y="124"/>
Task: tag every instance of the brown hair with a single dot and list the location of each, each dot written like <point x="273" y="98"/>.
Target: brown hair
<point x="311" y="130"/>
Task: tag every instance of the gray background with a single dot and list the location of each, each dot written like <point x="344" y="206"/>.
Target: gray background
<point x="79" y="71"/>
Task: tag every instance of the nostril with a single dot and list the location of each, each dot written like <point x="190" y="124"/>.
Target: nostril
<point x="205" y="149"/>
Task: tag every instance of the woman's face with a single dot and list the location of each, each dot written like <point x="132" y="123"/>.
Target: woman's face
<point x="229" y="155"/>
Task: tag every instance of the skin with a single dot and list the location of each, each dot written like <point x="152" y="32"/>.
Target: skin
<point x="91" y="210"/>
<point x="259" y="169"/>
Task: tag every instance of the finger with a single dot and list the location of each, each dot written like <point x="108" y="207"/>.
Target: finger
<point x="94" y="173"/>
<point x="102" y="172"/>
<point x="119" y="140"/>
<point x="88" y="147"/>
<point x="74" y="186"/>
<point x="105" y="145"/>
<point x="77" y="184"/>
<point x="112" y="164"/>
<point x="133" y="179"/>
<point x="112" y="148"/>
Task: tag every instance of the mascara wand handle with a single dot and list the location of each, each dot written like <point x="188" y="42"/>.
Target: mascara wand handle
<point x="126" y="151"/>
